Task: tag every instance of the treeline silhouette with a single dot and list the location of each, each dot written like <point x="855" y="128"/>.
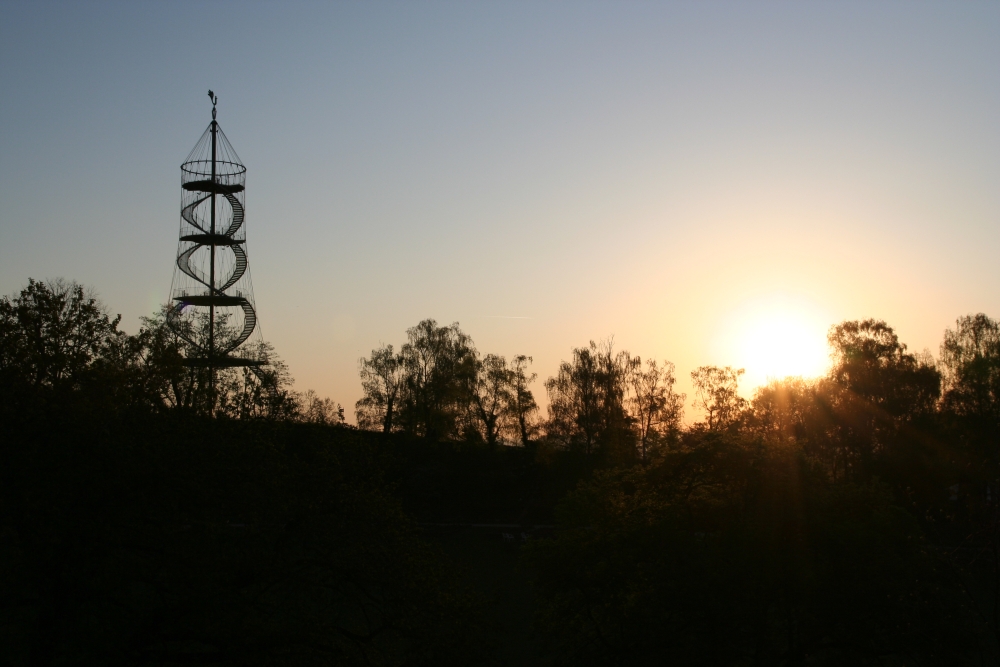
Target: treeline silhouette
<point x="153" y="516"/>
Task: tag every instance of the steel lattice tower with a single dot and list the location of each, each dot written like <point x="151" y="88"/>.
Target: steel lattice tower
<point x="212" y="270"/>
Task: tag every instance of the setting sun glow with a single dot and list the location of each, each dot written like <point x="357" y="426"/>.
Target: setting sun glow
<point x="776" y="338"/>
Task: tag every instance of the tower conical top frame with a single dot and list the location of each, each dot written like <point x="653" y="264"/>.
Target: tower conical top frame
<point x="211" y="287"/>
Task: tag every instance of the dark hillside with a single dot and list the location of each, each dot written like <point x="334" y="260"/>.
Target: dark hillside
<point x="171" y="540"/>
<point x="460" y="483"/>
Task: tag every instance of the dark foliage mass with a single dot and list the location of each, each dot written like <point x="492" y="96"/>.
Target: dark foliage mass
<point x="136" y="530"/>
<point x="151" y="516"/>
<point x="727" y="551"/>
<point x="849" y="519"/>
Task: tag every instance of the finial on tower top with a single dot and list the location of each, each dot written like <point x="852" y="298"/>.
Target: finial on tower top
<point x="215" y="100"/>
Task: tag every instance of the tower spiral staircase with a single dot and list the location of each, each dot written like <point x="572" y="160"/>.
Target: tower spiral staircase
<point x="212" y="270"/>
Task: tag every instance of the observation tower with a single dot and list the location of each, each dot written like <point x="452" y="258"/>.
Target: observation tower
<point x="211" y="289"/>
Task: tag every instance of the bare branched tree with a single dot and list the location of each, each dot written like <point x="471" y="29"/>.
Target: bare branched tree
<point x="521" y="413"/>
<point x="586" y="401"/>
<point x="316" y="410"/>
<point x="491" y="392"/>
<point x="655" y="408"/>
<point x="382" y="381"/>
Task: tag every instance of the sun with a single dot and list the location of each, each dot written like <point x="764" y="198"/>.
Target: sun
<point x="775" y="338"/>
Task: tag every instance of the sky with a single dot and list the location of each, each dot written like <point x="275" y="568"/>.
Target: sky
<point x="707" y="183"/>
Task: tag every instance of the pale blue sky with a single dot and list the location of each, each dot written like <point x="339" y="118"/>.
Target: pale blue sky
<point x="652" y="171"/>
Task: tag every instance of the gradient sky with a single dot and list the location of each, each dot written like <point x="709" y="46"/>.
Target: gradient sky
<point x="542" y="173"/>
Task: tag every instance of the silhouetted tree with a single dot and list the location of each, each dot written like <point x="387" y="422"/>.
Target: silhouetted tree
<point x="717" y="393"/>
<point x="439" y="367"/>
<point x="655" y="408"/>
<point x="316" y="410"/>
<point x="261" y="391"/>
<point x="58" y="342"/>
<point x="53" y="334"/>
<point x="438" y="387"/>
<point x="871" y="363"/>
<point x="491" y="391"/>
<point x="586" y="402"/>
<point x="382" y="381"/>
<point x="258" y="392"/>
<point x="970" y="364"/>
<point x="782" y="411"/>
<point x="876" y="390"/>
<point x="520" y="413"/>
